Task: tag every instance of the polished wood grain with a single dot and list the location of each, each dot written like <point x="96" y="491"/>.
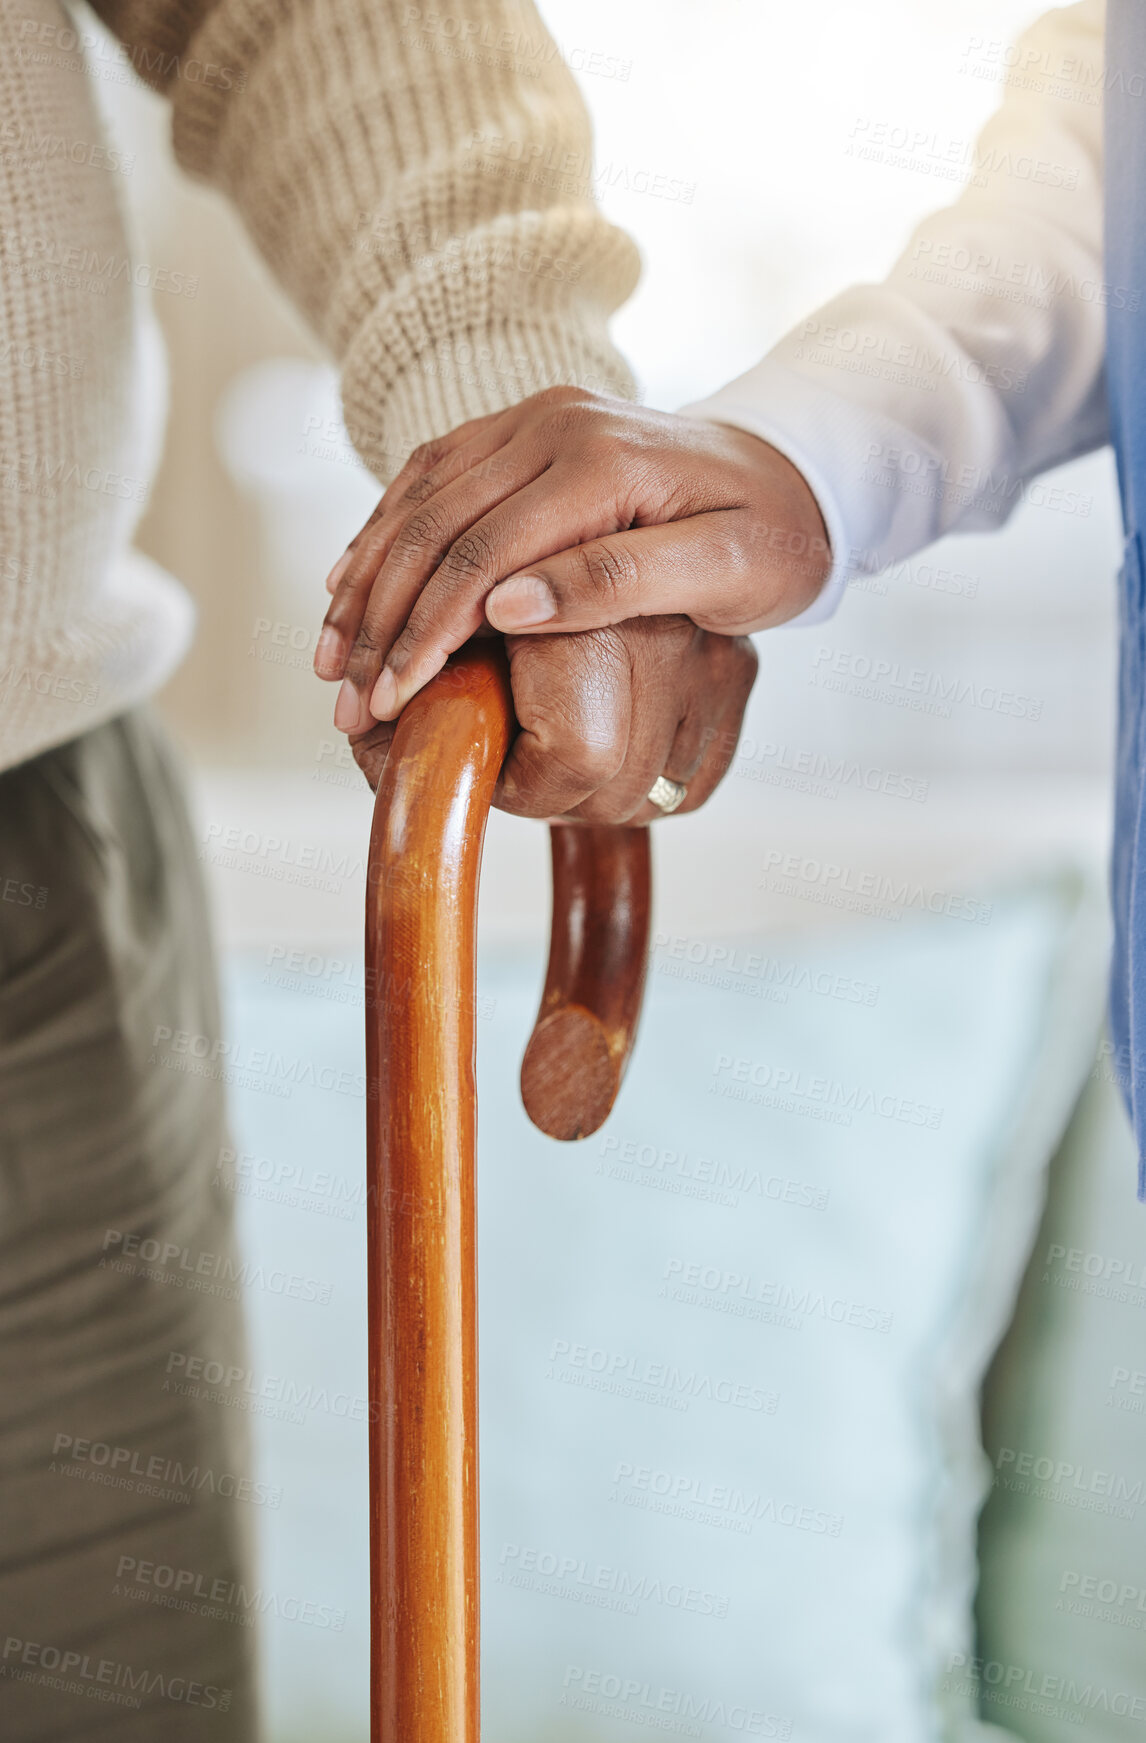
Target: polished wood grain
<point x="425" y="852"/>
<point x="585" y="1028"/>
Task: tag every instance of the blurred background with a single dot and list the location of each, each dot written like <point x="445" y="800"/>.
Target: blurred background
<point x="749" y="111"/>
<point x="749" y="108"/>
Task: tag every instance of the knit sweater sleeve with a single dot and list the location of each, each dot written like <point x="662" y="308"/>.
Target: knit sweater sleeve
<point x="418" y="181"/>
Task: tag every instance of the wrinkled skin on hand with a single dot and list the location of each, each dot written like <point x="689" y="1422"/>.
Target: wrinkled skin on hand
<point x="566" y="513"/>
<point x="602" y="714"/>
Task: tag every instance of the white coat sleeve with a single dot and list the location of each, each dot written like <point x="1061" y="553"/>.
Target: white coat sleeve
<point x="925" y="405"/>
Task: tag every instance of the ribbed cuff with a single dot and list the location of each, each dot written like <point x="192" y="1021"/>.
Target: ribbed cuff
<point x="467" y="375"/>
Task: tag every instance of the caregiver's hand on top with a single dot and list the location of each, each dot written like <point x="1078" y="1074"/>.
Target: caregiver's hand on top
<point x="568" y="512"/>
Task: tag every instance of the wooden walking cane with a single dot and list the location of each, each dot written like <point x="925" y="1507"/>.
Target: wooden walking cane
<point x="425" y="853"/>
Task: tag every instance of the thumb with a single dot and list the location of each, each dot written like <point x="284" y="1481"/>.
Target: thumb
<point x="686" y="567"/>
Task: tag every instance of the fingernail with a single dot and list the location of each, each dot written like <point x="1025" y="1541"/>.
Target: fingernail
<point x="384" y="697"/>
<point x="328" y="651"/>
<point x="347" y="708"/>
<point x="520" y="603"/>
<point x="338" y="571"/>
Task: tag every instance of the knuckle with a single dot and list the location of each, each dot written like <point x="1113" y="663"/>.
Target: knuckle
<point x="532" y="785"/>
<point x="605" y="650"/>
<point x="581" y="762"/>
<point x="495" y="467"/>
<point x="427" y="453"/>
<point x="576" y="418"/>
<point x="420" y="490"/>
<point x="425" y="530"/>
<point x="561" y="395"/>
<point x="410" y="639"/>
<point x="678" y="636"/>
<point x="596" y="763"/>
<point x="608" y="570"/>
<point x="746" y="659"/>
<point x="344" y="611"/>
<point x="520" y="797"/>
<point x="364" y="660"/>
<point x="739" y="548"/>
<point x="470" y="556"/>
<point x="606" y="807"/>
<point x="731" y="663"/>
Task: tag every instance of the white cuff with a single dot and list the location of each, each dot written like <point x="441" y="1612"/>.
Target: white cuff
<point x="837" y="444"/>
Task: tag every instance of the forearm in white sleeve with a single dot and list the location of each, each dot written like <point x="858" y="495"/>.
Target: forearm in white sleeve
<point x="924" y="405"/>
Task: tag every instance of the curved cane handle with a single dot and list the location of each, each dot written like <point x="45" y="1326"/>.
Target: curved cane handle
<point x="421" y="914"/>
<point x="591" y="1005"/>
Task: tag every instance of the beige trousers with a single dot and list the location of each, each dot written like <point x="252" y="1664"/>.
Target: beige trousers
<point x="112" y="1241"/>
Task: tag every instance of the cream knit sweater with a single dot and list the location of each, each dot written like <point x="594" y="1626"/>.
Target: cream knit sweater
<point x="417" y="178"/>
